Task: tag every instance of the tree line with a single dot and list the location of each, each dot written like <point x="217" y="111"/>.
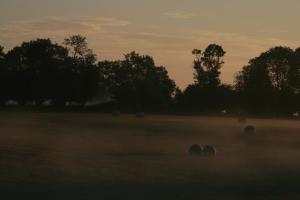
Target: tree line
<point x="41" y="71"/>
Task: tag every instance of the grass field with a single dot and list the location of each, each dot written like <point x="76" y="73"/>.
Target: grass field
<point x="97" y="156"/>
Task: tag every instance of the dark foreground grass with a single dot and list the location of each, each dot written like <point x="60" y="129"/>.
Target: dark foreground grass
<point x="90" y="156"/>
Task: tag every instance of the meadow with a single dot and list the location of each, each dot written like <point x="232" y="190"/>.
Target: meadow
<point x="97" y="156"/>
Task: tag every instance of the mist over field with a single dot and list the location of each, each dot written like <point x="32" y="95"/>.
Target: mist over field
<point x="90" y="156"/>
<point x="144" y="100"/>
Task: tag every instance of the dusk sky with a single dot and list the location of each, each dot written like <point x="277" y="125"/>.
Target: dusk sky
<point x="168" y="30"/>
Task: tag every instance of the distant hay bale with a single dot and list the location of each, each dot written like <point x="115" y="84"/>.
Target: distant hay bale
<point x="140" y="115"/>
<point x="209" y="150"/>
<point x="249" y="130"/>
<point x="116" y="113"/>
<point x="47" y="103"/>
<point x="195" y="150"/>
<point x="11" y="103"/>
<point x="296" y="114"/>
<point x="224" y="112"/>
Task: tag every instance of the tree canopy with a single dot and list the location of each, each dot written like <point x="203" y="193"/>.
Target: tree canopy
<point x="40" y="71"/>
<point x="271" y="80"/>
<point x="207" y="65"/>
<point x="137" y="81"/>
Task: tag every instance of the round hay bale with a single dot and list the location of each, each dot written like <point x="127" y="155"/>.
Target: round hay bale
<point x="116" y="113"/>
<point x="209" y="150"/>
<point x="195" y="150"/>
<point x="249" y="130"/>
<point x="140" y="115"/>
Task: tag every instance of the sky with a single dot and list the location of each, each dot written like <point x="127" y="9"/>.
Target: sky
<point x="168" y="30"/>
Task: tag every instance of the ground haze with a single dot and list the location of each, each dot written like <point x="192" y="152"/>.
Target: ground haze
<point x="97" y="156"/>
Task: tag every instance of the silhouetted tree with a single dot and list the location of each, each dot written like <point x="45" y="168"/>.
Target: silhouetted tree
<point x="85" y="77"/>
<point x="207" y="65"/>
<point x="78" y="49"/>
<point x="136" y="81"/>
<point x="207" y="94"/>
<point x="279" y="62"/>
<point x="270" y="81"/>
<point x="40" y="70"/>
<point x="254" y="86"/>
<point x="294" y="72"/>
<point x="3" y="77"/>
<point x="34" y="67"/>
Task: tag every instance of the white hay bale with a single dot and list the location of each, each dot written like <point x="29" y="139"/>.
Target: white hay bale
<point x="47" y="103"/>
<point x="11" y="103"/>
<point x="224" y="112"/>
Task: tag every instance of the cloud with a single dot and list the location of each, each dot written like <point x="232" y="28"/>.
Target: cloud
<point x="56" y="27"/>
<point x="180" y="15"/>
<point x="67" y="23"/>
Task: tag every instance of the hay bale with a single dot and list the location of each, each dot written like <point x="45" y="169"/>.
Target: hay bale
<point x="116" y="113"/>
<point x="195" y="150"/>
<point x="140" y="115"/>
<point x="249" y="130"/>
<point x="11" y="103"/>
<point x="209" y="150"/>
<point x="224" y="112"/>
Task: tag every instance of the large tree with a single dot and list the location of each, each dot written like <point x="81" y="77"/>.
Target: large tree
<point x="270" y="81"/>
<point x="85" y="79"/>
<point x="207" y="93"/>
<point x="137" y="81"/>
<point x="35" y="69"/>
<point x="279" y="61"/>
<point x="40" y="70"/>
<point x="77" y="46"/>
<point x="207" y="65"/>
